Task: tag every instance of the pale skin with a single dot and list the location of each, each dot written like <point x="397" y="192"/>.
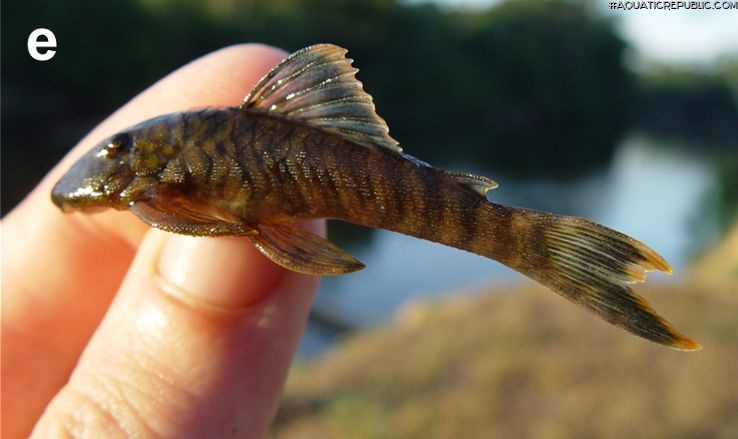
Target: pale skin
<point x="112" y="329"/>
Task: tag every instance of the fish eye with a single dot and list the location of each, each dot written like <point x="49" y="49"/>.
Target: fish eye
<point x="119" y="143"/>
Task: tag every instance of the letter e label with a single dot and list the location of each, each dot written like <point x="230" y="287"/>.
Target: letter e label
<point x="34" y="44"/>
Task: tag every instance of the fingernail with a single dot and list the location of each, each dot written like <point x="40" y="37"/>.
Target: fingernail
<point x="223" y="272"/>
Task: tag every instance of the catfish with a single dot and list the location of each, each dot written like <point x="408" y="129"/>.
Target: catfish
<point x="307" y="143"/>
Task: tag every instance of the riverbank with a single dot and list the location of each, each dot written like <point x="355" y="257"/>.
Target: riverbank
<point x="523" y="362"/>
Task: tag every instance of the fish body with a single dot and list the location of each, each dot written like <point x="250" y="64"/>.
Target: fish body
<point x="307" y="143"/>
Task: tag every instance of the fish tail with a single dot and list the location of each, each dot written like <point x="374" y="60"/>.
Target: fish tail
<point x="592" y="266"/>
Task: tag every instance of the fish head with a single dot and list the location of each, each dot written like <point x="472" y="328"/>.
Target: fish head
<point x="96" y="180"/>
<point x="116" y="171"/>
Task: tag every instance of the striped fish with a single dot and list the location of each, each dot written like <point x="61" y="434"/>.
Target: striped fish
<point x="307" y="143"/>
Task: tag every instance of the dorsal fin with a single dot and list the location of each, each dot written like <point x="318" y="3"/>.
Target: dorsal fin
<point x="317" y="86"/>
<point x="476" y="183"/>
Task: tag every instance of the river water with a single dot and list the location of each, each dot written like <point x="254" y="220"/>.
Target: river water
<point x="656" y="193"/>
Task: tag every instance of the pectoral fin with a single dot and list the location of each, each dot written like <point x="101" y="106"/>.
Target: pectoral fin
<point x="178" y="218"/>
<point x="302" y="251"/>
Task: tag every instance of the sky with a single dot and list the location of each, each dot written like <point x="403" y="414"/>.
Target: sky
<point x="683" y="37"/>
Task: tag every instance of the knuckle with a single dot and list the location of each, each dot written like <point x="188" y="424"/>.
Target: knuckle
<point x="100" y="409"/>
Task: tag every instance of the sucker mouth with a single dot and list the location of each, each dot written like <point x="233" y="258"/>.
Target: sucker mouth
<point x="62" y="205"/>
<point x="91" y="209"/>
<point x="76" y="199"/>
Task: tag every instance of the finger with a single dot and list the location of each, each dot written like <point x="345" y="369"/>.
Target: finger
<point x="190" y="347"/>
<point x="61" y="271"/>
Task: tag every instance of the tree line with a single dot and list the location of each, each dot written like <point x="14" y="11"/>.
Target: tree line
<point x="525" y="86"/>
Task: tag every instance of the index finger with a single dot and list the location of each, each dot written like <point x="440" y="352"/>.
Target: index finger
<point x="60" y="271"/>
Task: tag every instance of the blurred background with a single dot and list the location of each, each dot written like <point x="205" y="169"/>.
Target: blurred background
<point x="629" y="118"/>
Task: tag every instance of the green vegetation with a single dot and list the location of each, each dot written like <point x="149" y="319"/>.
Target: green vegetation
<point x="525" y="363"/>
<point x="694" y="105"/>
<point x="525" y="86"/>
<point x="726" y="197"/>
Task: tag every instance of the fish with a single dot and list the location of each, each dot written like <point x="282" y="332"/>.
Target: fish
<point x="307" y="143"/>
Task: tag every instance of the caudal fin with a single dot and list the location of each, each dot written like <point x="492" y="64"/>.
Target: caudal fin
<point x="593" y="266"/>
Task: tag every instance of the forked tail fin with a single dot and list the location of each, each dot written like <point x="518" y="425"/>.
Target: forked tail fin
<point x="593" y="266"/>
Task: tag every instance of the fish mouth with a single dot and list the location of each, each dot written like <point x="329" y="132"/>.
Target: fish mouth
<point x="69" y="199"/>
<point x="91" y="184"/>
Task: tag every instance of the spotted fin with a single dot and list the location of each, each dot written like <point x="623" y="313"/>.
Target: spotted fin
<point x="594" y="266"/>
<point x="301" y="251"/>
<point x="476" y="183"/>
<point x="175" y="217"/>
<point x="317" y="86"/>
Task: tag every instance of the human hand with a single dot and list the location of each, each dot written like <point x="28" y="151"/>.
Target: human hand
<point x="112" y="329"/>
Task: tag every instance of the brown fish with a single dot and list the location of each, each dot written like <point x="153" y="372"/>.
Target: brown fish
<point x="307" y="143"/>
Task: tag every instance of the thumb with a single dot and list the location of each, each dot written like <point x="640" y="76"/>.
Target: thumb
<point x="196" y="343"/>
